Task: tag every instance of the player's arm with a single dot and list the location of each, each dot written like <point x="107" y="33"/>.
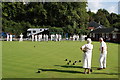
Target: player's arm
<point x="82" y="48"/>
<point x="102" y="50"/>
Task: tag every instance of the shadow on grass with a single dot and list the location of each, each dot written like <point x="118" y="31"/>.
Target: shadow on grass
<point x="68" y="66"/>
<point x="94" y="67"/>
<point x="70" y="71"/>
<point x="56" y="70"/>
<point x="107" y="73"/>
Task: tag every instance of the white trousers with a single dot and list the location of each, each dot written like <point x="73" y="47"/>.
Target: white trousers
<point x="102" y="59"/>
<point x="51" y="38"/>
<point x="56" y="39"/>
<point x="46" y="39"/>
<point x="10" y="39"/>
<point x="32" y="39"/>
<point x="87" y="60"/>
<point x="59" y="39"/>
<point x="73" y="39"/>
<point x="36" y="39"/>
<point x="7" y="38"/>
<point x="40" y="39"/>
<point x="21" y="39"/>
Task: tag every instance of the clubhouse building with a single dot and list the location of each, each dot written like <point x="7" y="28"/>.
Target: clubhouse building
<point x="108" y="34"/>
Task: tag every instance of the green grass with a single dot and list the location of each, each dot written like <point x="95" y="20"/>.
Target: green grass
<point x="0" y="60"/>
<point x="22" y="60"/>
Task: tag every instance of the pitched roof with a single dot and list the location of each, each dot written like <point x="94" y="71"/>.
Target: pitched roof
<point x="90" y="27"/>
<point x="103" y="30"/>
<point x="94" y="24"/>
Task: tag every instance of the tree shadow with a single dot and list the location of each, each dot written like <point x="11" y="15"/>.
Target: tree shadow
<point x="107" y="73"/>
<point x="56" y="70"/>
<point x="95" y="67"/>
<point x="71" y="71"/>
<point x="68" y="66"/>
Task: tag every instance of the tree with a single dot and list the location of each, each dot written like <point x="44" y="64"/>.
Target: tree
<point x="55" y="29"/>
<point x="101" y="18"/>
<point x="116" y="21"/>
<point x="13" y="11"/>
<point x="69" y="30"/>
<point x="15" y="28"/>
<point x="68" y="15"/>
<point x="112" y="18"/>
<point x="91" y="15"/>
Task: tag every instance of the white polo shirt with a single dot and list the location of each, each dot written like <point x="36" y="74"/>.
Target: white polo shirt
<point x="88" y="47"/>
<point x="21" y="36"/>
<point x="103" y="44"/>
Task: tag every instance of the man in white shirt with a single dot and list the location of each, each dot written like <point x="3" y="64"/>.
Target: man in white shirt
<point x="56" y="37"/>
<point x="77" y="37"/>
<point x="103" y="54"/>
<point x="52" y="37"/>
<point x="46" y="36"/>
<point x="87" y="49"/>
<point x="36" y="37"/>
<point x="8" y="36"/>
<point x="33" y="37"/>
<point x="74" y="37"/>
<point x="40" y="37"/>
<point x="21" y="37"/>
<point x="59" y="37"/>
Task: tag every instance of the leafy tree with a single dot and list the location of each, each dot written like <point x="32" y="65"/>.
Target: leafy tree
<point x="101" y="18"/>
<point x="56" y="30"/>
<point x="69" y="17"/>
<point x="91" y="15"/>
<point x="112" y="18"/>
<point x="69" y="29"/>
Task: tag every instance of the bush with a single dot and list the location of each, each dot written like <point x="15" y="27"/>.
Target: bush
<point x="68" y="29"/>
<point x="56" y="29"/>
<point x="14" y="27"/>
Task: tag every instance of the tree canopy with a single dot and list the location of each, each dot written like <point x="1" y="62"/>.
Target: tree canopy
<point x="67" y="17"/>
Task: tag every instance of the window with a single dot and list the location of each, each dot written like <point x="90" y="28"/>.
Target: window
<point x="103" y="35"/>
<point x="34" y="31"/>
<point x="97" y="36"/>
<point x="93" y="34"/>
<point x="107" y="35"/>
<point x="90" y="34"/>
<point x="40" y="29"/>
<point x="29" y="31"/>
<point x="114" y="36"/>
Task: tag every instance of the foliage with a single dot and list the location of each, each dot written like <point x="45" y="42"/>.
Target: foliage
<point x="55" y="29"/>
<point x="56" y="14"/>
<point x="67" y="17"/>
<point x="101" y="18"/>
<point x="105" y="18"/>
<point x="15" y="28"/>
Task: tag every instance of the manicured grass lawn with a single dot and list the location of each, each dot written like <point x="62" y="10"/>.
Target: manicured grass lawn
<point x="23" y="60"/>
